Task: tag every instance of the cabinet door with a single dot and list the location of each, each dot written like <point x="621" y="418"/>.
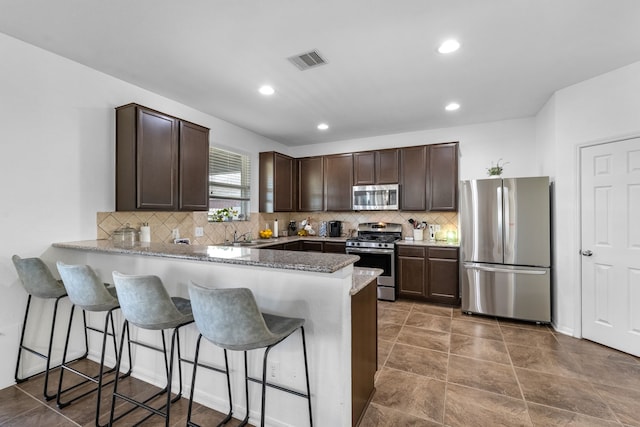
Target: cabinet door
<point x="443" y="177"/>
<point x="338" y="182"/>
<point x="335" y="247"/>
<point x="157" y="161"/>
<point x="307" y="245"/>
<point x="292" y="246"/>
<point x="411" y="271"/>
<point x="443" y="276"/>
<point x="284" y="179"/>
<point x="413" y="165"/>
<point x="310" y="184"/>
<point x="411" y="276"/>
<point x="364" y="168"/>
<point x="194" y="167"/>
<point x="277" y="247"/>
<point x="387" y="166"/>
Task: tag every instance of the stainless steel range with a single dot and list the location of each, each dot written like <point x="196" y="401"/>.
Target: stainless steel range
<point x="375" y="245"/>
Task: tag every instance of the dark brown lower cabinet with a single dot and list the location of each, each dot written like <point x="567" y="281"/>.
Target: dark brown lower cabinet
<point x="334" y="247"/>
<point x="292" y="246"/>
<point x="311" y="246"/>
<point x="364" y="349"/>
<point x="429" y="273"/>
<point x="411" y="271"/>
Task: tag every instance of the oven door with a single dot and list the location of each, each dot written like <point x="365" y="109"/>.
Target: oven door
<point x="384" y="260"/>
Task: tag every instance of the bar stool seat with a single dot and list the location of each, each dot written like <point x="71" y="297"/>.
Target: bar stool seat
<point x="231" y="319"/>
<point x="145" y="303"/>
<point x="37" y="280"/>
<point x="87" y="292"/>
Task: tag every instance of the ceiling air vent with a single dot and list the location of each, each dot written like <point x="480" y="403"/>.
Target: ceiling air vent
<point x="307" y="60"/>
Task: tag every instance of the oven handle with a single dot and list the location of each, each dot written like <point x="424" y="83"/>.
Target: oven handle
<point x="356" y="251"/>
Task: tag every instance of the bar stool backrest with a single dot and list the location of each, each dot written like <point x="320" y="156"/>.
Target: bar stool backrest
<point x="37" y="278"/>
<point x="229" y="318"/>
<point x="85" y="289"/>
<point x="145" y="302"/>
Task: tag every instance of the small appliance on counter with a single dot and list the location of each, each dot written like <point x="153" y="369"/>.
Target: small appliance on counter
<point x="293" y="228"/>
<point x="334" y="228"/>
<point x="432" y="232"/>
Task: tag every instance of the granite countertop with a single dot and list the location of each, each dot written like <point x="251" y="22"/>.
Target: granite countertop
<point x="440" y="243"/>
<point x="362" y="277"/>
<point x="253" y="256"/>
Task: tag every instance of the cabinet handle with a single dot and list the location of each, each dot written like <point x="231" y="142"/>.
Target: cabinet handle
<point x="472" y="266"/>
<point x="586" y="253"/>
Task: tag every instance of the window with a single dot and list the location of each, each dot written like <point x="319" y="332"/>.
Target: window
<point x="229" y="185"/>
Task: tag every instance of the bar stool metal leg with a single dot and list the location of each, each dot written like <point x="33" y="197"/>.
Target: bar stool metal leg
<point x="47" y="357"/>
<point x="97" y="379"/>
<point x="193" y="384"/>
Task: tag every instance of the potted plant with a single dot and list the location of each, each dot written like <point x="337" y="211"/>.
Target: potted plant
<point x="224" y="214"/>
<point x="496" y="171"/>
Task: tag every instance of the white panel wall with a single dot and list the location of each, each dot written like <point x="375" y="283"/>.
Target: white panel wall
<point x="57" y="165"/>
<point x="601" y="109"/>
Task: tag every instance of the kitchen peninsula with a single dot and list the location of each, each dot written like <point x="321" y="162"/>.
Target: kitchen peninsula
<point x="337" y="300"/>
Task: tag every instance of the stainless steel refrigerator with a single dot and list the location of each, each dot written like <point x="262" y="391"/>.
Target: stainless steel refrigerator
<point x="505" y="241"/>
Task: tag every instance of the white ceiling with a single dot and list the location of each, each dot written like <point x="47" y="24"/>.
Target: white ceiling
<point x="383" y="74"/>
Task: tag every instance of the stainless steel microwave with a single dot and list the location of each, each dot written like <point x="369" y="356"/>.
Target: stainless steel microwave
<point x="376" y="197"/>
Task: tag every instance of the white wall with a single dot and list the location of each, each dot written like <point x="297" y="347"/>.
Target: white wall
<point x="58" y="159"/>
<point x="605" y="108"/>
<point x="510" y="140"/>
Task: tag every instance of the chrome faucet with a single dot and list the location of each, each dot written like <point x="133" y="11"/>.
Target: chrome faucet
<point x="237" y="238"/>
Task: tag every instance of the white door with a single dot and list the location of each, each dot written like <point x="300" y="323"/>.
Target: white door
<point x="610" y="210"/>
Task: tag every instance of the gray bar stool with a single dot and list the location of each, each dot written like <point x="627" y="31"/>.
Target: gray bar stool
<point x="231" y="319"/>
<point x="37" y="280"/>
<point x="145" y="303"/>
<point x="88" y="292"/>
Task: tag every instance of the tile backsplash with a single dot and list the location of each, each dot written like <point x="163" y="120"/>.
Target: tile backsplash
<point x="162" y="224"/>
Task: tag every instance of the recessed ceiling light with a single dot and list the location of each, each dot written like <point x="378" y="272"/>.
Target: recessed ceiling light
<point x="266" y="90"/>
<point x="452" y="106"/>
<point x="323" y="126"/>
<point x="449" y="46"/>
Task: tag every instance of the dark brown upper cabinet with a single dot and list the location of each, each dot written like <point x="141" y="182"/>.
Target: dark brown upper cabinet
<point x="413" y="178"/>
<point x="311" y="184"/>
<point x="375" y="167"/>
<point x="277" y="182"/>
<point x="338" y="182"/>
<point x="442" y="177"/>
<point x="162" y="162"/>
<point x="193" y="168"/>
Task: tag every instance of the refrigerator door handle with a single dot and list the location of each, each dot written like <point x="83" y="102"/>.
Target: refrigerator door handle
<point x="474" y="266"/>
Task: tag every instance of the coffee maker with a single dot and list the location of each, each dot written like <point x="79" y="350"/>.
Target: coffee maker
<point x="334" y="228"/>
<point x="293" y="228"/>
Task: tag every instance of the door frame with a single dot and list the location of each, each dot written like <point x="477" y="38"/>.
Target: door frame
<point x="577" y="329"/>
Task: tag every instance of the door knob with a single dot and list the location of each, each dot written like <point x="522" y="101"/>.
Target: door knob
<point x="586" y="253"/>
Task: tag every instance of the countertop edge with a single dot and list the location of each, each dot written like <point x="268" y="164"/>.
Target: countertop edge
<point x="269" y="258"/>
<point x="362" y="277"/>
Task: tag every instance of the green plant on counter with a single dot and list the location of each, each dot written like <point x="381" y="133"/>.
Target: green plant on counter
<point x="224" y="214"/>
<point x="497" y="169"/>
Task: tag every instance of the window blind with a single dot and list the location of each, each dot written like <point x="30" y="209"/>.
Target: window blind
<point x="229" y="181"/>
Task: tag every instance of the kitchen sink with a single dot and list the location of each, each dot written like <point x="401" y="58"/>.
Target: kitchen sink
<point x="241" y="244"/>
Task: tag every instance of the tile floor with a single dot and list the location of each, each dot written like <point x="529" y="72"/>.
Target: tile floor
<point x="439" y="367"/>
<point x="442" y="367"/>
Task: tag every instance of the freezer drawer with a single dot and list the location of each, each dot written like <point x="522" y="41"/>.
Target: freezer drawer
<point x="507" y="291"/>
